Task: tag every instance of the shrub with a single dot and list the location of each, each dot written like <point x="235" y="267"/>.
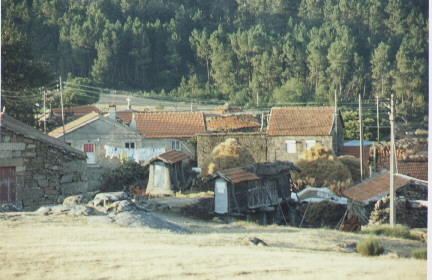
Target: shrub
<point x="128" y="173"/>
<point x="419" y="253"/>
<point x="369" y="247"/>
<point x="398" y="231"/>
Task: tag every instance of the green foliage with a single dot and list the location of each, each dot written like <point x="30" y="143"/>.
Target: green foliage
<point x="292" y="91"/>
<point x="419" y="253"/>
<point x="243" y="51"/>
<point x="369" y="247"/>
<point x="127" y="174"/>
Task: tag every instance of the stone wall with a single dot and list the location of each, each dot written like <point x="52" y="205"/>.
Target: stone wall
<point x="255" y="143"/>
<point x="45" y="174"/>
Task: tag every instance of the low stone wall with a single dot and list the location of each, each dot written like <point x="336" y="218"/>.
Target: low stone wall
<point x="45" y="174"/>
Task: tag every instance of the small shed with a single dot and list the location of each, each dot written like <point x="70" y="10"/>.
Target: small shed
<point x="362" y="198"/>
<point x="260" y="187"/>
<point x="166" y="173"/>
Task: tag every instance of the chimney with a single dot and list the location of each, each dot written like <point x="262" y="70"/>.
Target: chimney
<point x="112" y="112"/>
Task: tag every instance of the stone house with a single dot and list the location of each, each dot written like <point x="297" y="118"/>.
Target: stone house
<point x="291" y="130"/>
<point x="170" y="130"/>
<point x="36" y="169"/>
<point x="105" y="142"/>
<point x="166" y="174"/>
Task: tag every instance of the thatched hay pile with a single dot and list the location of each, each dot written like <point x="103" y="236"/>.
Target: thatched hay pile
<point x="353" y="165"/>
<point x="320" y="166"/>
<point x="228" y="154"/>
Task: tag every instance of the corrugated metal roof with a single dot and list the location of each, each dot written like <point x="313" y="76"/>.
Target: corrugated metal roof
<point x="169" y="157"/>
<point x="301" y="121"/>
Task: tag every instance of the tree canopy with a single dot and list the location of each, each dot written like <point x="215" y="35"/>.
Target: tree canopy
<point x="254" y="53"/>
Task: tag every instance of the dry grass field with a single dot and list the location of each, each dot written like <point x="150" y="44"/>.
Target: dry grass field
<point x="34" y="246"/>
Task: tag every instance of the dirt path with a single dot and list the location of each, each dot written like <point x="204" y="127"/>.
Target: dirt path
<point x="62" y="247"/>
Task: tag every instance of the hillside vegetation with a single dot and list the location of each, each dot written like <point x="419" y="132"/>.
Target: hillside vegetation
<point x="253" y="53"/>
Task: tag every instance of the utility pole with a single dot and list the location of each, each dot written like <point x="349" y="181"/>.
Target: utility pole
<point x="392" y="166"/>
<point x="361" y="136"/>
<point x="257" y="100"/>
<point x="44" y="111"/>
<point x="62" y="110"/>
<point x="378" y="126"/>
<point x="336" y="123"/>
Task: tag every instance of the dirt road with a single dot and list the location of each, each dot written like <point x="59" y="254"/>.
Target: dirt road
<point x="62" y="247"/>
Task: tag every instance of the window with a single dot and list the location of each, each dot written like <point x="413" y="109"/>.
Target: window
<point x="175" y="145"/>
<point x="310" y="143"/>
<point x="291" y="146"/>
<point x="130" y="145"/>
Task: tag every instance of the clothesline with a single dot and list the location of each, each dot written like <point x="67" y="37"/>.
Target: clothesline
<point x="138" y="155"/>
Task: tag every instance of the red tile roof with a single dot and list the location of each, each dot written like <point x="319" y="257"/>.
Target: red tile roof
<point x="237" y="175"/>
<point x="296" y="121"/>
<point x="170" y="157"/>
<point x="416" y="168"/>
<point x="375" y="187"/>
<point x="226" y="109"/>
<point x="170" y="125"/>
<point x="77" y="111"/>
<point x="229" y="123"/>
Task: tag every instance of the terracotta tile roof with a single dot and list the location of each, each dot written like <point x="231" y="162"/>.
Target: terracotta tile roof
<point x="169" y="157"/>
<point x="18" y="127"/>
<point x="90" y="117"/>
<point x="226" y="109"/>
<point x="375" y="187"/>
<point x="77" y="111"/>
<point x="295" y="121"/>
<point x="126" y="116"/>
<point x="413" y="167"/>
<point x="256" y="171"/>
<point x="229" y="123"/>
<point x="237" y="175"/>
<point x="170" y="125"/>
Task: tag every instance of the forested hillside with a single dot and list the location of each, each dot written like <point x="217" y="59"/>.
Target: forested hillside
<point x="250" y="52"/>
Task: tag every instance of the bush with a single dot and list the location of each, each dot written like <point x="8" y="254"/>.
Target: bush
<point x="369" y="247"/>
<point x="419" y="253"/>
<point x="128" y="173"/>
<point x="398" y="231"/>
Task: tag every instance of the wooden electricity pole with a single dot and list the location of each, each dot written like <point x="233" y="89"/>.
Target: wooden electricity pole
<point x="62" y="110"/>
<point x="361" y="136"/>
<point x="392" y="165"/>
<point x="45" y="131"/>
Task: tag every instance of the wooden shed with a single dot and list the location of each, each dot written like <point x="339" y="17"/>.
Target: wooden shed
<point x="166" y="173"/>
<point x="253" y="189"/>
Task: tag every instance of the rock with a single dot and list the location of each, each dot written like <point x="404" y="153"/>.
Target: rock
<point x="44" y="210"/>
<point x="253" y="241"/>
<point x="218" y="220"/>
<point x="10" y="208"/>
<point x="73" y="200"/>
<point x="102" y="199"/>
<point x="121" y="206"/>
<point x="79" y="210"/>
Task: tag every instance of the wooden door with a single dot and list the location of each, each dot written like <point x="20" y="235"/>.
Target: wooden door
<point x="89" y="149"/>
<point x="7" y="185"/>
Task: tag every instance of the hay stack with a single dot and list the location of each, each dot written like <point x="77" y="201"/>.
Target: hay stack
<point x="320" y="165"/>
<point x="228" y="154"/>
<point x="353" y="165"/>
